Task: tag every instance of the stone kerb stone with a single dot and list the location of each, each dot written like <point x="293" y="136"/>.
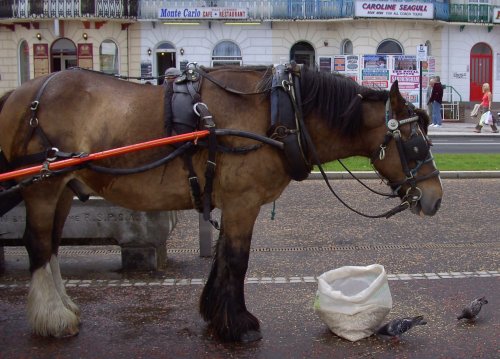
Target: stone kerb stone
<point x="141" y="235"/>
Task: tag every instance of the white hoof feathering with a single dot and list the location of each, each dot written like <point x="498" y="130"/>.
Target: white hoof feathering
<point x="47" y="314"/>
<point x="56" y="275"/>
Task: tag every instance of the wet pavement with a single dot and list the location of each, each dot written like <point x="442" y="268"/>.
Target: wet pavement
<point x="435" y="265"/>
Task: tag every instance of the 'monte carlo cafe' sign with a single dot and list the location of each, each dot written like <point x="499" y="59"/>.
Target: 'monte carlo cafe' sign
<point x="394" y="9"/>
<point x="206" y="13"/>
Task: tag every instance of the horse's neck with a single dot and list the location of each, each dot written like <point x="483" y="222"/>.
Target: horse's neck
<point x="329" y="144"/>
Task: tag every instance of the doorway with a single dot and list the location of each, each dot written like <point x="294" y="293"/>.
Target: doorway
<point x="165" y="58"/>
<point x="63" y="55"/>
<point x="481" y="69"/>
<point x="303" y="53"/>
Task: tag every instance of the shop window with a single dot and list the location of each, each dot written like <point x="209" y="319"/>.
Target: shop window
<point x="24" y="62"/>
<point x="390" y="47"/>
<point x="346" y="47"/>
<point x="226" y="53"/>
<point x="108" y="56"/>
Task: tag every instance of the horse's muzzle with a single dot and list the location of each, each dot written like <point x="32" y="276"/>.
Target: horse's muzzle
<point x="426" y="207"/>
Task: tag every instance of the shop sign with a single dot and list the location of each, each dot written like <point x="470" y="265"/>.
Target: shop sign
<point x="85" y="56"/>
<point x="41" y="59"/>
<point x="496" y="15"/>
<point x="206" y="13"/>
<point x="394" y="9"/>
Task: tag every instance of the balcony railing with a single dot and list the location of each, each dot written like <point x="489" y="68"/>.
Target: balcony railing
<point x="40" y="9"/>
<point x="471" y="13"/>
<point x="260" y="9"/>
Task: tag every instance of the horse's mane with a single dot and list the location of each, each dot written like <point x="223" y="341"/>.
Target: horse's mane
<point x="257" y="68"/>
<point x="337" y="99"/>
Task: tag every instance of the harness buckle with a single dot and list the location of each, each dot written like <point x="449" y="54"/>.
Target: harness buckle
<point x="280" y="132"/>
<point x="33" y="122"/>
<point x="195" y="108"/>
<point x="34" y="105"/>
<point x="52" y="154"/>
<point x="381" y="154"/>
<point x="286" y="85"/>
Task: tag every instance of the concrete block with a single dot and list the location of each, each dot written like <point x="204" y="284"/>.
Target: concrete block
<point x="100" y="222"/>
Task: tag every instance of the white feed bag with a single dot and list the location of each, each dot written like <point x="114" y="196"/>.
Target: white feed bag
<point x="353" y="301"/>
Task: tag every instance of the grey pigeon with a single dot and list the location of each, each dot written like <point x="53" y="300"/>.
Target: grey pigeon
<point x="472" y="310"/>
<point x="398" y="326"/>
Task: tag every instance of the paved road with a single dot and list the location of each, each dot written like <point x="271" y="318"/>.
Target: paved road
<point x="435" y="266"/>
<point x="466" y="144"/>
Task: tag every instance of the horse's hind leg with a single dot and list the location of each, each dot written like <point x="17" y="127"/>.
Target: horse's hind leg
<point x="47" y="312"/>
<point x="62" y="211"/>
<point x="222" y="302"/>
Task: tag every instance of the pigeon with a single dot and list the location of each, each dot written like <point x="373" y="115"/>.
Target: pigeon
<point x="472" y="310"/>
<point x="398" y="326"/>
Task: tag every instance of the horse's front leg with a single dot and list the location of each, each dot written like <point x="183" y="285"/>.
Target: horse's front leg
<point x="222" y="302"/>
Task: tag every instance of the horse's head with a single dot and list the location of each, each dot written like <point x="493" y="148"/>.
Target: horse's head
<point x="401" y="153"/>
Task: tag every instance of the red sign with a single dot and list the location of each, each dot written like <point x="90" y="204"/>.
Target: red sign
<point x="41" y="59"/>
<point x="85" y="56"/>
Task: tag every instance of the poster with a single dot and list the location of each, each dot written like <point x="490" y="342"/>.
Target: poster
<point x="339" y="64"/>
<point x="325" y="64"/>
<point x="85" y="56"/>
<point x="41" y="59"/>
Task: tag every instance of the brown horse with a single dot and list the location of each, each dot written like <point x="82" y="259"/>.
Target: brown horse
<point x="85" y="111"/>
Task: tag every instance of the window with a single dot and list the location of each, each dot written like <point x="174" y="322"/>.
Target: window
<point x="108" y="57"/>
<point x="24" y="62"/>
<point x="481" y="49"/>
<point x="390" y="47"/>
<point x="303" y="53"/>
<point x="346" y="47"/>
<point x="428" y="44"/>
<point x="226" y="53"/>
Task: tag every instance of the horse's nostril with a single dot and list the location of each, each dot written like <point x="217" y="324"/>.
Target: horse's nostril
<point x="437" y="205"/>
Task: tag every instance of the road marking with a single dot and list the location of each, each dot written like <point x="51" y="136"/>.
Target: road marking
<point x="86" y="283"/>
<point x="466" y="144"/>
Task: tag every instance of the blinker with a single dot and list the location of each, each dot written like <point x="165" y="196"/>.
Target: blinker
<point x="416" y="148"/>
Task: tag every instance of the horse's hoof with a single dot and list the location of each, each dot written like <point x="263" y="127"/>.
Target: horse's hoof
<point x="251" y="336"/>
<point x="68" y="332"/>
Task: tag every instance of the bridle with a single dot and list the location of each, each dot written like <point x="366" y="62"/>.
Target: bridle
<point x="415" y="149"/>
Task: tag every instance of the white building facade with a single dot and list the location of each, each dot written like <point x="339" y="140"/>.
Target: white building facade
<point x="374" y="42"/>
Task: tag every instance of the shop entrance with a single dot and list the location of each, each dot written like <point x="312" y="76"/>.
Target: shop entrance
<point x="62" y="55"/>
<point x="481" y="63"/>
<point x="165" y="58"/>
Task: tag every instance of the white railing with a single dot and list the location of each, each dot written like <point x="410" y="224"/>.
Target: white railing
<point x="29" y="9"/>
<point x="259" y="9"/>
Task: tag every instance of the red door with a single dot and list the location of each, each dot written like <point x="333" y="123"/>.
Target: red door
<point x="481" y="61"/>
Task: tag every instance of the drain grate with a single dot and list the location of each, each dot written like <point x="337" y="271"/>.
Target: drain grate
<point x="358" y="248"/>
<point x="116" y="251"/>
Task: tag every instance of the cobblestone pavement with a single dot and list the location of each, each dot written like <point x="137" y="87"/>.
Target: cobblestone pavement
<point x="435" y="266"/>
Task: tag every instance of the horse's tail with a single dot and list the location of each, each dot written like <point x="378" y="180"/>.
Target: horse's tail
<point x="9" y="193"/>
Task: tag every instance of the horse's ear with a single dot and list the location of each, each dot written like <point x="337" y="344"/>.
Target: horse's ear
<point x="397" y="100"/>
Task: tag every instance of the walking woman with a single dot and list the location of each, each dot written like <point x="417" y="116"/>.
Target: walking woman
<point x="486" y="106"/>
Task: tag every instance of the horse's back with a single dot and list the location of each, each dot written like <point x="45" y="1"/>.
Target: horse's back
<point x="82" y="111"/>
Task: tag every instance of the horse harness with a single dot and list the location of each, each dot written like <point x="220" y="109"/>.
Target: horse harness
<point x="185" y="112"/>
<point x="416" y="149"/>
